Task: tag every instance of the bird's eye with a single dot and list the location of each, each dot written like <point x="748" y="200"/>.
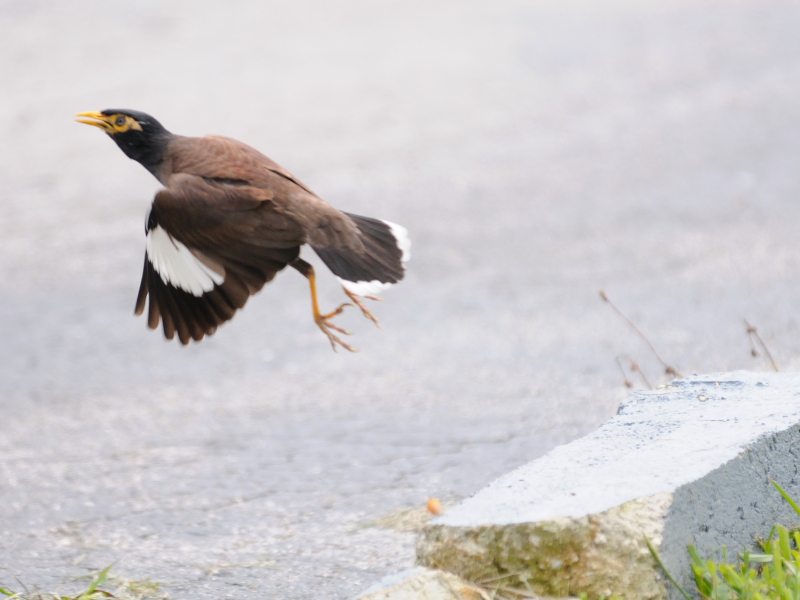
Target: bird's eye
<point x="120" y="121"/>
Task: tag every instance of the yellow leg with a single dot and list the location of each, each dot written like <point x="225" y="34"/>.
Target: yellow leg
<point x="320" y="319"/>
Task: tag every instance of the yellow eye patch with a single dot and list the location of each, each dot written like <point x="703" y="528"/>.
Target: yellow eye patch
<point x="122" y="123"/>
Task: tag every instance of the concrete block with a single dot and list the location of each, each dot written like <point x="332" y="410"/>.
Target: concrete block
<point x="422" y="584"/>
<point x="690" y="463"/>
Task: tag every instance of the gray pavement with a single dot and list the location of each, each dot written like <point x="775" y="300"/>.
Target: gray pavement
<point x="537" y="151"/>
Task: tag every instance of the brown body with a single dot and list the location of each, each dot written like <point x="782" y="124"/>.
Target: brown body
<point x="230" y="214"/>
<point x="248" y="180"/>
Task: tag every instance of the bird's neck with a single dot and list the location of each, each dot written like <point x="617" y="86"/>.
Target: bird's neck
<point x="149" y="152"/>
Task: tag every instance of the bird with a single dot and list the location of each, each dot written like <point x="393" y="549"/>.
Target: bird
<point x="228" y="219"/>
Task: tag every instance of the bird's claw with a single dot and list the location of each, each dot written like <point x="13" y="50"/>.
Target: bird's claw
<point x="363" y="308"/>
<point x="338" y="311"/>
<point x="325" y="325"/>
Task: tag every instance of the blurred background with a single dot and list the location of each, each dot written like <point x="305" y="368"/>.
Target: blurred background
<point x="538" y="152"/>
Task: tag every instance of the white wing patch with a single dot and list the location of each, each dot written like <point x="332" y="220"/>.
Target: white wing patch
<point x="178" y="266"/>
<point x="400" y="233"/>
<point x="374" y="287"/>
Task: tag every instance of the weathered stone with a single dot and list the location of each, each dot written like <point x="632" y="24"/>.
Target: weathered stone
<point x="687" y="464"/>
<point x="599" y="554"/>
<point x="423" y="584"/>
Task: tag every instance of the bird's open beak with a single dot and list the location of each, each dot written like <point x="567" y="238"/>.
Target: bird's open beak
<point x="100" y="121"/>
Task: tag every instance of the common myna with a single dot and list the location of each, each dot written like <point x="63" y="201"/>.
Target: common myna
<point x="228" y="219"/>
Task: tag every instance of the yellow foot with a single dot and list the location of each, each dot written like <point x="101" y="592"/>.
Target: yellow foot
<point x="326" y="326"/>
<point x="363" y="308"/>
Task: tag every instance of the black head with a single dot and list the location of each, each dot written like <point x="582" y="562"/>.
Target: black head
<point x="138" y="135"/>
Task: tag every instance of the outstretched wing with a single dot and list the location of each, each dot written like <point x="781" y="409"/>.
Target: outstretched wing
<point x="210" y="246"/>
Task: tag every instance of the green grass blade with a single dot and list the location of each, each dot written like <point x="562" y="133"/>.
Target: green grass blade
<point x="101" y="577"/>
<point x="760" y="558"/>
<point x="786" y="497"/>
<point x="783" y="536"/>
<point x="657" y="558"/>
<point x="732" y="577"/>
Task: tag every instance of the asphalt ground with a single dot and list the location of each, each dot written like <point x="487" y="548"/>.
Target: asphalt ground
<point x="538" y="152"/>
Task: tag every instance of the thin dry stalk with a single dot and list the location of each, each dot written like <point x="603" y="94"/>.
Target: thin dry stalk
<point x="500" y="584"/>
<point x="635" y="368"/>
<point x="669" y="370"/>
<point x="628" y="383"/>
<point x="752" y="334"/>
<point x="516" y="592"/>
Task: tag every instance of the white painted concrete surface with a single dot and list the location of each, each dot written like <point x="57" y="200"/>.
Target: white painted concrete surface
<point x="658" y="442"/>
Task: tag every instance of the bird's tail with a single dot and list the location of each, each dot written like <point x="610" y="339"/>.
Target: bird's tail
<point x="378" y="265"/>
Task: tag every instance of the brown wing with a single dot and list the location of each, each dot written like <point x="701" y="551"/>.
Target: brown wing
<point x="220" y="157"/>
<point x="210" y="246"/>
<point x="230" y="162"/>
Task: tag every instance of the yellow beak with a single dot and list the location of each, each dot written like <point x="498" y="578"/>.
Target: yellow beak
<point x="100" y="121"/>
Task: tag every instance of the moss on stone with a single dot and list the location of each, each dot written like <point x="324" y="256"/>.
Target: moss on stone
<point x="601" y="555"/>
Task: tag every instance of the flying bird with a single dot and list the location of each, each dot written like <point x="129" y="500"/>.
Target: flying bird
<point x="229" y="219"/>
